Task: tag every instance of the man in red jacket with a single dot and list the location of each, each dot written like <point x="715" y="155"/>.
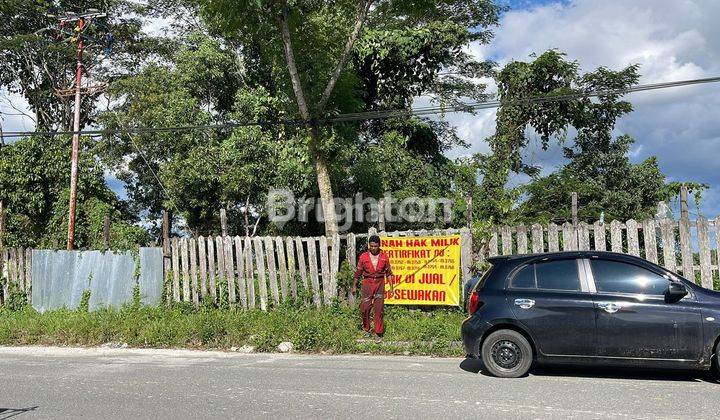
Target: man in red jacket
<point x="374" y="267"/>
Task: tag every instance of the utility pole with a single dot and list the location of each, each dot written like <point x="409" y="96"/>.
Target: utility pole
<point x="77" y="36"/>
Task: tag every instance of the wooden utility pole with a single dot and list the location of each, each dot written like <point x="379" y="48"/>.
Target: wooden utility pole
<point x="684" y="211"/>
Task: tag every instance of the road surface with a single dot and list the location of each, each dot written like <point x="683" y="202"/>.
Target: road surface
<point x="60" y="383"/>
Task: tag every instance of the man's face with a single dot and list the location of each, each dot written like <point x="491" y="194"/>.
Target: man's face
<point x="374" y="248"/>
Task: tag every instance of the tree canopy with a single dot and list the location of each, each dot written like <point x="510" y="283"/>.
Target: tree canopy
<point x="268" y="75"/>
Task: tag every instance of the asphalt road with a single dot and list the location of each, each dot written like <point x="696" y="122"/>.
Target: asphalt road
<point x="175" y="384"/>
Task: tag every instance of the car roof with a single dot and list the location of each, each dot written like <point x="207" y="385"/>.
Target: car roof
<point x="519" y="258"/>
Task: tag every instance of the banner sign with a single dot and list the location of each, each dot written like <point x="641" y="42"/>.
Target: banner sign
<point x="426" y="270"/>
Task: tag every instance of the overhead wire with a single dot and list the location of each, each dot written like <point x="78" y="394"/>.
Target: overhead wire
<point x="380" y="114"/>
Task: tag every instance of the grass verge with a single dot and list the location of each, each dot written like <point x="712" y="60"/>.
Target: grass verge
<point x="333" y="329"/>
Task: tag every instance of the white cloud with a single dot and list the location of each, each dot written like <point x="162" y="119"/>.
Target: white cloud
<point x="669" y="39"/>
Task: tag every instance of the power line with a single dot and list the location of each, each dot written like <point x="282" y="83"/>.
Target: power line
<point x="382" y="114"/>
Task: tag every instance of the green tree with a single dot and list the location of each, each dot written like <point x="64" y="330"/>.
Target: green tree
<point x="352" y="56"/>
<point x="605" y="180"/>
<point x="548" y="75"/>
<point x="34" y="187"/>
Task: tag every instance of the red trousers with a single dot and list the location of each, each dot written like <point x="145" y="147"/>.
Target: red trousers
<point x="373" y="297"/>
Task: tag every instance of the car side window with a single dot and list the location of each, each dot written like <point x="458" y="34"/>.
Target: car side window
<point x="557" y="275"/>
<point x="620" y="277"/>
<point x="525" y="278"/>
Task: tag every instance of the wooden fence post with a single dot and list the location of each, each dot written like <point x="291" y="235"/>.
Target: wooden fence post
<point x="249" y="272"/>
<point x="328" y="291"/>
<point x="506" y="235"/>
<point x="241" y="277"/>
<point x="185" y="264"/>
<point x="312" y="259"/>
<point x="667" y="227"/>
<point x="704" y="244"/>
<point x="538" y="240"/>
<point x="649" y="241"/>
<point x="282" y="268"/>
<point x="465" y="259"/>
<point x="632" y="237"/>
<point x="493" y="243"/>
<point x="229" y="268"/>
<point x="686" y="250"/>
<point x="260" y="264"/>
<point x="521" y="239"/>
<point x="167" y="265"/>
<point x="352" y="261"/>
<point x="223" y="222"/>
<point x="599" y="236"/>
<point x="615" y="236"/>
<point x="176" y="269"/>
<point x="272" y="272"/>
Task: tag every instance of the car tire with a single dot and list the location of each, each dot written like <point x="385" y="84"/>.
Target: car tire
<point x="507" y="354"/>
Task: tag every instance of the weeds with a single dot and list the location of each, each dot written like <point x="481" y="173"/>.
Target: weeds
<point x="330" y="329"/>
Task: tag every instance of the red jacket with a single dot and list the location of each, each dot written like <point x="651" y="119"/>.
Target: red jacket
<point x="367" y="271"/>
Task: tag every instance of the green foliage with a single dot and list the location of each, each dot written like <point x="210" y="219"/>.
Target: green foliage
<point x="335" y="329"/>
<point x="34" y="186"/>
<point x="548" y="75"/>
<point x="600" y="171"/>
<point x="84" y="305"/>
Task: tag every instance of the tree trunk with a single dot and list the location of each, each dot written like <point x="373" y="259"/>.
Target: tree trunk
<point x="325" y="187"/>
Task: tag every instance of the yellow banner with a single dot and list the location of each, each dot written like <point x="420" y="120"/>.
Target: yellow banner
<point x="426" y="269"/>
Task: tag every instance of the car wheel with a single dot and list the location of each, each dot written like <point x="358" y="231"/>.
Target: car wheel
<point x="507" y="354"/>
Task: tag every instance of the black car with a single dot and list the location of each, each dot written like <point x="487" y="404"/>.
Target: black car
<point x="589" y="307"/>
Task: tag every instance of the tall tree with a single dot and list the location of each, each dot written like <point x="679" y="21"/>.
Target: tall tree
<point x="548" y="75"/>
<point x="317" y="41"/>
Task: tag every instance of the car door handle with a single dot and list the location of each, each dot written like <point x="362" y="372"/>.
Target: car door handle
<point x="609" y="307"/>
<point x="525" y="303"/>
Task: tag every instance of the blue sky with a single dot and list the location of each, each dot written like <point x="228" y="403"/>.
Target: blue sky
<point x="669" y="39"/>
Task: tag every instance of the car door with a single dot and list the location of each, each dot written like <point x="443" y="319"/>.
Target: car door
<point x="633" y="318"/>
<point x="549" y="298"/>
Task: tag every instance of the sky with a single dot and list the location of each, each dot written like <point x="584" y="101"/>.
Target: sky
<point x="669" y="39"/>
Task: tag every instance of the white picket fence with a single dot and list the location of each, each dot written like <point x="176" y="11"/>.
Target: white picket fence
<point x="687" y="247"/>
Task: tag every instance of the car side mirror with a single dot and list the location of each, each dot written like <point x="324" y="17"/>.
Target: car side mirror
<point x="675" y="292"/>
